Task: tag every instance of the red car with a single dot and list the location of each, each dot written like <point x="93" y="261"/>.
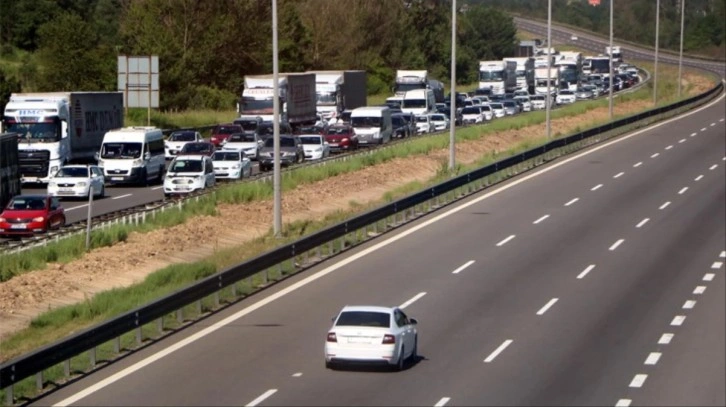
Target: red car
<point x="28" y="214"/>
<point x="197" y="148"/>
<point x="223" y="131"/>
<point x="341" y="138"/>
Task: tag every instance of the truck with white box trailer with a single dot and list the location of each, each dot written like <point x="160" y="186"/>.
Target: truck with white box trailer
<point x="499" y="76"/>
<point x="339" y="90"/>
<point x="258" y="97"/>
<point x="525" y="72"/>
<point x="58" y="128"/>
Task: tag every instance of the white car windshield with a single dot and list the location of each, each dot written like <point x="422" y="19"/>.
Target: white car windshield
<point x="182" y="137"/>
<point x="311" y="140"/>
<point x="72" y="172"/>
<point x="186" y="166"/>
<point x="226" y="156"/>
<point x="364" y="318"/>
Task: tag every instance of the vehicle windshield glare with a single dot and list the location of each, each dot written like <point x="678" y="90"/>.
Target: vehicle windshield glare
<point x="72" y="172"/>
<point x="364" y="318"/>
<point x="326" y="98"/>
<point x="186" y="136"/>
<point x="338" y="130"/>
<point x="186" y="166"/>
<point x="121" y="150"/>
<point x="226" y="156"/>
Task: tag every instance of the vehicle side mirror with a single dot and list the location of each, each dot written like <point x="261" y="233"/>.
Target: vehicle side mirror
<point x="333" y="318"/>
<point x="413" y="321"/>
<point x="147" y="155"/>
<point x="96" y="156"/>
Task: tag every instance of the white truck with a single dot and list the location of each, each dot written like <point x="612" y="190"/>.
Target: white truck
<point x="570" y="64"/>
<point x="258" y="97"/>
<point x="616" y="55"/>
<point x="525" y="72"/>
<point x="540" y="80"/>
<point x="58" y="128"/>
<point x="339" y="90"/>
<point x="499" y="76"/>
<point x="411" y="80"/>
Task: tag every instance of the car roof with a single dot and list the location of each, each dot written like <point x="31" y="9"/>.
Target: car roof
<point x="369" y="308"/>
<point x="78" y="166"/>
<point x="30" y="196"/>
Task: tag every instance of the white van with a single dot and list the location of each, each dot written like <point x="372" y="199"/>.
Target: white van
<point x="132" y="155"/>
<point x="372" y="124"/>
<point x="419" y="102"/>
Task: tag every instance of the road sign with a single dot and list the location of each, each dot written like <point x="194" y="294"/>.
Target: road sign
<point x="138" y="79"/>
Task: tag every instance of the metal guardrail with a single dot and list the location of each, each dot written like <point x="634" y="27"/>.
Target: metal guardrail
<point x="140" y="213"/>
<point x="303" y="253"/>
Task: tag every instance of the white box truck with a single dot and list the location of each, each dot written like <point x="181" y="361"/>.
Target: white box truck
<point x="499" y="76"/>
<point x="540" y="80"/>
<point x="339" y="90"/>
<point x="525" y="72"/>
<point x="60" y="128"/>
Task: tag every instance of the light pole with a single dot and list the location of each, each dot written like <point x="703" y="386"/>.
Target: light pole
<point x="611" y="60"/>
<point x="655" y="67"/>
<point x="452" y="113"/>
<point x="549" y="69"/>
<point x="680" y="54"/>
<point x="276" y="127"/>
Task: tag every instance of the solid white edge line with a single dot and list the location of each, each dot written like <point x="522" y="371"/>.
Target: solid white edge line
<point x="638" y="164"/>
<point x="412" y="300"/>
<point x="652" y="358"/>
<point x="572" y="201"/>
<point x="596" y="187"/>
<point x="584" y="272"/>
<point x="462" y="267"/>
<point x="616" y="244"/>
<point x="155" y="188"/>
<point x="623" y="403"/>
<point x="716" y="265"/>
<point x="618" y="175"/>
<point x="708" y="277"/>
<point x="698" y="178"/>
<point x="638" y="380"/>
<point x="666" y="338"/>
<point x="322" y="273"/>
<point x="655" y="155"/>
<point x="665" y="205"/>
<point x="689" y="304"/>
<point x="547" y="306"/>
<point x="541" y="219"/>
<point x="678" y="320"/>
<point x="642" y="222"/>
<point x="121" y="196"/>
<point x="261" y="398"/>
<point x="498" y="350"/>
<point x="683" y="191"/>
<point x="699" y="289"/>
<point x="442" y="402"/>
<point x="503" y="242"/>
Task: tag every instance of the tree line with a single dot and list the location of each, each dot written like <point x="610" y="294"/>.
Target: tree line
<point x="205" y="47"/>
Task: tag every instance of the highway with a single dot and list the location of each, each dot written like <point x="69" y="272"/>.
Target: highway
<point x="597" y="279"/>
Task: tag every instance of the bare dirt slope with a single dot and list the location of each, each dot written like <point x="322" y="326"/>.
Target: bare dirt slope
<point x="25" y="296"/>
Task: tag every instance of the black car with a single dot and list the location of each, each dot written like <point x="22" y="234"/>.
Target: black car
<point x="291" y="152"/>
<point x="265" y="130"/>
<point x="401" y="128"/>
<point x="411" y="120"/>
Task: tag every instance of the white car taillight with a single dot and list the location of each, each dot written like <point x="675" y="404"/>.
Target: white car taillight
<point x="332" y="337"/>
<point x="388" y="339"/>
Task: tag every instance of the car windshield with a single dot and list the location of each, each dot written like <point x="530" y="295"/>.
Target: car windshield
<point x="470" y="110"/>
<point x="510" y="104"/>
<point x="241" y="138"/>
<point x="565" y="92"/>
<point x="496" y="106"/>
<point x="438" y="117"/>
<point x="364" y="318"/>
<point x="338" y="130"/>
<point x="227" y="129"/>
<point x="186" y="166"/>
<point x="414" y="103"/>
<point x="72" y="172"/>
<point x="195" y="148"/>
<point x="422" y="119"/>
<point x="311" y="140"/>
<point x="309" y="130"/>
<point x="491" y="75"/>
<point x="182" y="137"/>
<point x="368" y="121"/>
<point x="398" y="121"/>
<point x="22" y="203"/>
<point x="486" y="108"/>
<point x="284" y="142"/>
<point x="226" y="156"/>
<point x="247" y="125"/>
<point x="120" y="150"/>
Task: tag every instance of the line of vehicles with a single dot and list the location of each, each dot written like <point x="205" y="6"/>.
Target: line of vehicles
<point x="77" y="145"/>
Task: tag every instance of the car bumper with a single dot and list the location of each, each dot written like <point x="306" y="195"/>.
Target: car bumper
<point x="314" y="156"/>
<point x="132" y="176"/>
<point x="70" y="193"/>
<point x="340" y="147"/>
<point x="28" y="229"/>
<point x="360" y="355"/>
<point x="236" y="174"/>
<point x="269" y="161"/>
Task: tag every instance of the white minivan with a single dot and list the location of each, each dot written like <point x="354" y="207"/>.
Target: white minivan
<point x="419" y="102"/>
<point x="189" y="173"/>
<point x="372" y="124"/>
<point x="133" y="155"/>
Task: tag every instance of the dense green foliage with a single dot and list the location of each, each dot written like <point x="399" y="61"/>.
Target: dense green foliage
<point x="205" y="47"/>
<point x="634" y="20"/>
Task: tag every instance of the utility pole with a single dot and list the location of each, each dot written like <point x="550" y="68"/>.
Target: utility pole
<point x="611" y="59"/>
<point x="452" y="114"/>
<point x="549" y="69"/>
<point x="680" y="54"/>
<point x="655" y="68"/>
<point x="277" y="207"/>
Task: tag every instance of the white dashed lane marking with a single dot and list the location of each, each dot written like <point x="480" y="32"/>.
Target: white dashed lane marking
<point x="665" y="339"/>
<point x="596" y="187"/>
<point x="572" y="201"/>
<point x="699" y="289"/>
<point x="638" y="380"/>
<point x="584" y="272"/>
<point x="541" y="219"/>
<point x="638" y="164"/>
<point x="713" y="167"/>
<point x="618" y="175"/>
<point x="693" y="134"/>
<point x="503" y="242"/>
<point x="467" y="264"/>
<point x="442" y="402"/>
<point x="683" y="190"/>
<point x="698" y="178"/>
<point x="623" y="403"/>
<point x="689" y="304"/>
<point x="665" y="205"/>
<point x="547" y="306"/>
<point x="653" y="358"/>
<point x="713" y="124"/>
<point x="678" y="320"/>
<point x="616" y="244"/>
<point x="497" y="351"/>
<point x="121" y="196"/>
<point x="412" y="300"/>
<point x="262" y="397"/>
<point x="669" y="147"/>
<point x="716" y="265"/>
<point x="682" y="140"/>
<point x="298" y="374"/>
<point x="642" y="222"/>
<point x="708" y="277"/>
<point x="703" y="129"/>
<point x="655" y="155"/>
<point x="722" y="255"/>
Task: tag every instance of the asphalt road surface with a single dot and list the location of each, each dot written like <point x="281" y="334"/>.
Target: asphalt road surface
<point x="595" y="280"/>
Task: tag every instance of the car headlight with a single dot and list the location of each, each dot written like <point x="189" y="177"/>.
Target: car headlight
<point x="137" y="163"/>
<point x="82" y="184"/>
<point x="344" y="139"/>
<point x="39" y="219"/>
<point x="2" y="219"/>
<point x="237" y="166"/>
<point x="51" y="184"/>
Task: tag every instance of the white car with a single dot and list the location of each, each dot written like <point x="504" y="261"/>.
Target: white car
<point x="314" y="146"/>
<point x="521" y="92"/>
<point x="439" y="121"/>
<point x="189" y="173"/>
<point x="75" y="181"/>
<point x="573" y="37"/>
<point x="526" y="103"/>
<point x="249" y="143"/>
<point x="498" y="109"/>
<point x="231" y="164"/>
<point x="176" y="141"/>
<point x="472" y="114"/>
<point x="539" y="102"/>
<point x="594" y="89"/>
<point x="423" y="124"/>
<point x="371" y="334"/>
<point x="565" y="96"/>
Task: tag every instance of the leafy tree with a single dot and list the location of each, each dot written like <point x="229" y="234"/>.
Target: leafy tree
<point x="8" y="85"/>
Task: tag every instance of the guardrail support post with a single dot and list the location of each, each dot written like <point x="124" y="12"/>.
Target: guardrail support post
<point x="67" y="368"/>
<point x="234" y="290"/>
<point x="160" y="325"/>
<point x="279" y="269"/>
<point x="320" y="254"/>
<point x="92" y="357"/>
<point x="216" y="299"/>
<point x="199" y="307"/>
<point x="180" y="315"/>
<point x="138" y="336"/>
<point x="117" y="345"/>
<point x="39" y="380"/>
<point x="9" y="399"/>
